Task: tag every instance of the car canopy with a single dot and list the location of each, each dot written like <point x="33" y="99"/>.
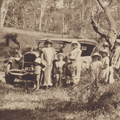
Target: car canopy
<point x="87" y="45"/>
<point x="68" y="40"/>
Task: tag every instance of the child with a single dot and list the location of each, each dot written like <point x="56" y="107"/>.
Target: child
<point x="96" y="68"/>
<point x="37" y="73"/>
<point x="48" y="56"/>
<point x="75" y="64"/>
<point x="105" y="64"/>
<point x="59" y="70"/>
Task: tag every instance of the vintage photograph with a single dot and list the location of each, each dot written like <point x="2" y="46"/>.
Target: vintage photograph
<point x="59" y="60"/>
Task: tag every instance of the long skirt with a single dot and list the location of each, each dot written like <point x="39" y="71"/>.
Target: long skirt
<point x="47" y="76"/>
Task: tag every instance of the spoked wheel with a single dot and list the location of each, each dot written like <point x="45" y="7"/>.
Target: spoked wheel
<point x="9" y="78"/>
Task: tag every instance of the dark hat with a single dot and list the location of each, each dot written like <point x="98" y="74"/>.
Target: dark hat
<point x="48" y="41"/>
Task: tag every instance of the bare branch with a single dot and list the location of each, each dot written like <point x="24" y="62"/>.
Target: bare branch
<point x="111" y="34"/>
<point x="98" y="29"/>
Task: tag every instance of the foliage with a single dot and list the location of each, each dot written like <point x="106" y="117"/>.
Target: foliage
<point x="72" y="17"/>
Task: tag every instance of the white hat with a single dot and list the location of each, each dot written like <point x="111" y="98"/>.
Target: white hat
<point x="104" y="51"/>
<point x="61" y="54"/>
<point x="105" y="44"/>
<point x="76" y="42"/>
<point x="71" y="58"/>
<point x="117" y="41"/>
<point x="96" y="54"/>
<point x="17" y="58"/>
<point x="38" y="60"/>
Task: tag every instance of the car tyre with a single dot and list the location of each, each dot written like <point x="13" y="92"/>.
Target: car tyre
<point x="9" y="78"/>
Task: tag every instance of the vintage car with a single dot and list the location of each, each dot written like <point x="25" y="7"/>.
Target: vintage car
<point x="23" y="69"/>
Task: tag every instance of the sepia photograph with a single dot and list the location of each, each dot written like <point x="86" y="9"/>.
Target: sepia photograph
<point x="59" y="60"/>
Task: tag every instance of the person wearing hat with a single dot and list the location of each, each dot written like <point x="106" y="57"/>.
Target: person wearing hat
<point x="96" y="68"/>
<point x="59" y="69"/>
<point x="105" y="64"/>
<point x="37" y="72"/>
<point x="75" y="64"/>
<point x="116" y="55"/>
<point x="48" y="55"/>
<point x="115" y="62"/>
<point x="106" y="47"/>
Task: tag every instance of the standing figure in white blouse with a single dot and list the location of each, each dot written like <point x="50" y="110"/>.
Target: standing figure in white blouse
<point x="48" y="56"/>
<point x="75" y="65"/>
<point x="105" y="64"/>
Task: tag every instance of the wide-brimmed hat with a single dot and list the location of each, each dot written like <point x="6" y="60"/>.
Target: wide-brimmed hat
<point x="105" y="44"/>
<point x="104" y="51"/>
<point x="38" y="60"/>
<point x="61" y="55"/>
<point x="117" y="41"/>
<point x="76" y="42"/>
<point x="48" y="41"/>
<point x="96" y="54"/>
<point x="72" y="58"/>
<point x="17" y="58"/>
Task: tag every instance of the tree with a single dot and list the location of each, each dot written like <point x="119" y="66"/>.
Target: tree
<point x="4" y="9"/>
<point x="110" y="35"/>
<point x="42" y="9"/>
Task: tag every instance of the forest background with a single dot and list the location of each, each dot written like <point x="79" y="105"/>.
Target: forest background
<point x="71" y="17"/>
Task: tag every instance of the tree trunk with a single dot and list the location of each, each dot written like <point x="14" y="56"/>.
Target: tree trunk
<point x="4" y="9"/>
<point x="43" y="5"/>
<point x="3" y="15"/>
<point x="109" y="35"/>
<point x="40" y="22"/>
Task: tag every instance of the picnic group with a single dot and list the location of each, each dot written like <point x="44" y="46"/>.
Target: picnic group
<point x="56" y="69"/>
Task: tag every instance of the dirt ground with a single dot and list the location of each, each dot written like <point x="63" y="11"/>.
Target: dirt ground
<point x="20" y="102"/>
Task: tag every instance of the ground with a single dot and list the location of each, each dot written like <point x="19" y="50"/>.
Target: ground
<point x="81" y="102"/>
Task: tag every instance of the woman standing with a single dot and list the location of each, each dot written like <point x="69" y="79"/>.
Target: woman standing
<point x="48" y="56"/>
<point x="75" y="64"/>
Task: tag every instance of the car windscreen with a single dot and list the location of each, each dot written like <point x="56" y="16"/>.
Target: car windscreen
<point x="86" y="49"/>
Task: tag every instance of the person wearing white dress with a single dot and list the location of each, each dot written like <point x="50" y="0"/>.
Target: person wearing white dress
<point x="105" y="64"/>
<point x="48" y="55"/>
<point x="75" y="63"/>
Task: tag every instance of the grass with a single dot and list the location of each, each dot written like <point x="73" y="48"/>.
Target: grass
<point x="72" y="103"/>
<point x="60" y="103"/>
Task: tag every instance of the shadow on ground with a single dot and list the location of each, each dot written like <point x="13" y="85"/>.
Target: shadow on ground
<point x="28" y="115"/>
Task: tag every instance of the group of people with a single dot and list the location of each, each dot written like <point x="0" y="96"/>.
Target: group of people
<point x="52" y="68"/>
<point x="105" y="64"/>
<point x="99" y="67"/>
<point x="52" y="65"/>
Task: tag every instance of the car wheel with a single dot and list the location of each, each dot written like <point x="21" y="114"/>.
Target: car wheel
<point x="9" y="78"/>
